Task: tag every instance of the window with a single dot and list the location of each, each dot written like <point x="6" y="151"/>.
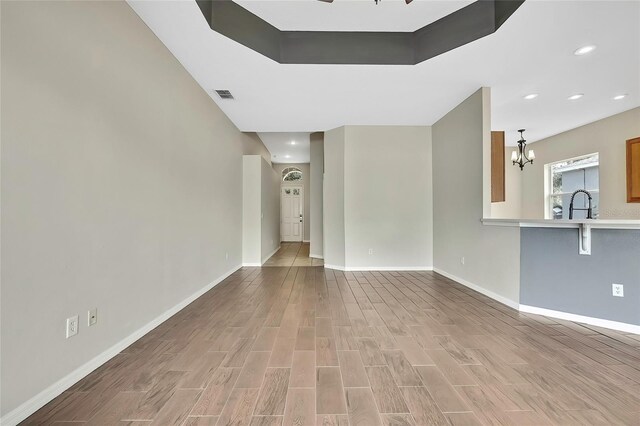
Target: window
<point x="291" y="174"/>
<point x="567" y="176"/>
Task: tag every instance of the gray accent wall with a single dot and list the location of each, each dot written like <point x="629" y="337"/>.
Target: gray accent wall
<point x="554" y="276"/>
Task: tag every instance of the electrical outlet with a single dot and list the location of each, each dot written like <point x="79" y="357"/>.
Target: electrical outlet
<point x="72" y="326"/>
<point x="617" y="290"/>
<point x="370" y="251"/>
<point x="92" y="317"/>
<point x="462" y="260"/>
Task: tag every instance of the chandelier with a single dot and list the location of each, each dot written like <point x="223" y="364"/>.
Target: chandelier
<point x="520" y="157"/>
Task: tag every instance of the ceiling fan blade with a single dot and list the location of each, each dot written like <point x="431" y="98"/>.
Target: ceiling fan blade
<point x="327" y="1"/>
<point x="408" y="1"/>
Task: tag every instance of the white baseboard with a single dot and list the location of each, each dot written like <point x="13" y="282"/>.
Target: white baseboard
<point x="316" y="256"/>
<point x="264" y="259"/>
<point x="336" y="267"/>
<point x="258" y="264"/>
<point x="378" y="268"/>
<point x="306" y="241"/>
<point x="388" y="268"/>
<point x="32" y="405"/>
<point x="504" y="300"/>
<point x="614" y="325"/>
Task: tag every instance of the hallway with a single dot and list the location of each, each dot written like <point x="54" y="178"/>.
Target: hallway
<point x="308" y="345"/>
<point x="293" y="254"/>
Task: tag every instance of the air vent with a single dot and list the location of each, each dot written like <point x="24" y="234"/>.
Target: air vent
<point x="224" y="94"/>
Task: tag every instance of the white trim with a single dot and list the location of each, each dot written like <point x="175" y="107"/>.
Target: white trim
<point x="264" y="259"/>
<point x="316" y="256"/>
<point x="565" y="223"/>
<point x="250" y="264"/>
<point x="379" y="268"/>
<point x="614" y="325"/>
<point x="336" y="267"/>
<point x="388" y="268"/>
<point x="306" y="241"/>
<point x="33" y="404"/>
<point x="504" y="300"/>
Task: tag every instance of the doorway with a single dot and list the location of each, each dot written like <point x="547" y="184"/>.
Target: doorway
<point x="291" y="213"/>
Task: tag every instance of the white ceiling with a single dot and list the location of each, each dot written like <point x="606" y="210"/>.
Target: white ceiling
<point x="351" y="15"/>
<point x="287" y="147"/>
<point x="531" y="52"/>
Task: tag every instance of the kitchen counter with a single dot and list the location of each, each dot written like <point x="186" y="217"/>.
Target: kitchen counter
<point x="563" y="223"/>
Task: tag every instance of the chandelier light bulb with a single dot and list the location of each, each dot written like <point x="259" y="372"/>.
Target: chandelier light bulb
<point x="521" y="156"/>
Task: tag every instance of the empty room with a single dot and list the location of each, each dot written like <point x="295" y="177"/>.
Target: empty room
<point x="320" y="212"/>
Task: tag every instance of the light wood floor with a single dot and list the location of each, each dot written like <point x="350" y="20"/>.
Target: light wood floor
<point x="293" y="254"/>
<point x="305" y="346"/>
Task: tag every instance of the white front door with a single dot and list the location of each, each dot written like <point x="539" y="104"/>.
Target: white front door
<point x="291" y="213"/>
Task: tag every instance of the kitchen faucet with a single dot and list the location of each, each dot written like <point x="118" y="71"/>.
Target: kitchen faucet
<point x="589" y="209"/>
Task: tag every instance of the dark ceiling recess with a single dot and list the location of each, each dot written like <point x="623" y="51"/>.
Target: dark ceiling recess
<point x="463" y="26"/>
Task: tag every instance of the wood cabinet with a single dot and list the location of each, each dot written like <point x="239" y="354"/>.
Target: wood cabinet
<point x="633" y="170"/>
<point x="497" y="167"/>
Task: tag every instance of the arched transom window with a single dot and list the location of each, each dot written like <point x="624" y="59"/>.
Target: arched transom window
<point x="291" y="174"/>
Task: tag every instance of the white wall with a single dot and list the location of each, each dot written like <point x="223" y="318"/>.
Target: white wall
<point x="306" y="184"/>
<point x="378" y="197"/>
<point x="316" y="176"/>
<point x="511" y="207"/>
<point x="607" y="137"/>
<point x="333" y="196"/>
<point x="251" y="210"/>
<point x="260" y="210"/>
<point x="270" y="210"/>
<point x="491" y="254"/>
<point x="252" y="144"/>
<point x="121" y="186"/>
<point x="388" y="197"/>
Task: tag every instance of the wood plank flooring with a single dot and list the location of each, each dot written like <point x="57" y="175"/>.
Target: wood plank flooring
<point x="293" y="254"/>
<point x="290" y="345"/>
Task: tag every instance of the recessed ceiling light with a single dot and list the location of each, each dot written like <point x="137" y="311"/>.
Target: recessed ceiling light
<point x="584" y="50"/>
<point x="617" y="98"/>
<point x="531" y="96"/>
<point x="293" y="142"/>
<point x="575" y="97"/>
<point x="287" y="156"/>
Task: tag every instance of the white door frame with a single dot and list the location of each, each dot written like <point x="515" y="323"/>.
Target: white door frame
<point x="301" y="188"/>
